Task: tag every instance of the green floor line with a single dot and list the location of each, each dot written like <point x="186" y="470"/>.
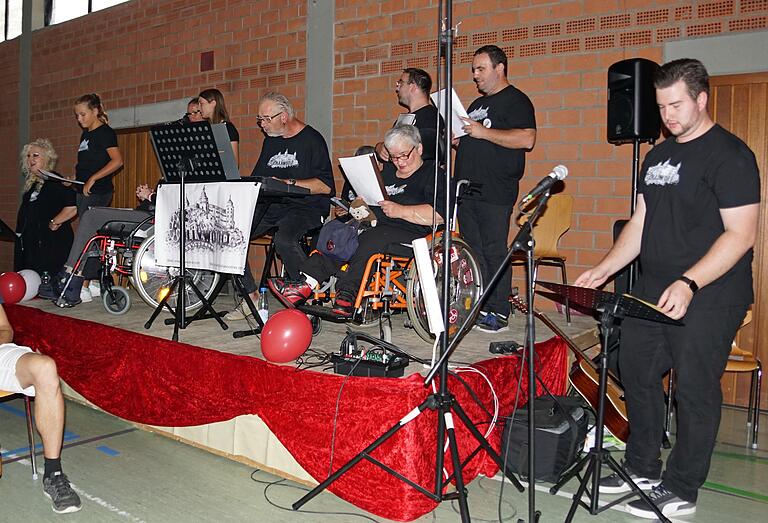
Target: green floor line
<point x="741" y="457"/>
<point x="717" y="487"/>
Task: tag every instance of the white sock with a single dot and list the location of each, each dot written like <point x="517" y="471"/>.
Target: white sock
<point x="310" y="280"/>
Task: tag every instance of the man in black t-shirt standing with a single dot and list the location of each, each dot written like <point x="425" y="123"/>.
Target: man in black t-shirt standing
<point x="296" y="154"/>
<point x="694" y="227"/>
<point x="500" y="129"/>
<point x="412" y="89"/>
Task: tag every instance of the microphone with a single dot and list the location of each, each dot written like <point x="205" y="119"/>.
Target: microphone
<point x="557" y="174"/>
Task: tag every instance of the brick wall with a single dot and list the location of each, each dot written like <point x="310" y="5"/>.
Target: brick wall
<point x="149" y="51"/>
<point x="559" y="53"/>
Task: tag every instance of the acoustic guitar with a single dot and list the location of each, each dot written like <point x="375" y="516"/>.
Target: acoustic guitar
<point x="585" y="378"/>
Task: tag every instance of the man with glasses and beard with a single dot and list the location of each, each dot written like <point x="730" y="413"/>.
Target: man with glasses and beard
<point x="296" y="154"/>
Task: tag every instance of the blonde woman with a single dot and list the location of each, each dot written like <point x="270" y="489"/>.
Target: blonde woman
<point x="44" y="216"/>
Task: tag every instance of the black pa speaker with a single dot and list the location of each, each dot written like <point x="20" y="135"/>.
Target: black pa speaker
<point x="632" y="110"/>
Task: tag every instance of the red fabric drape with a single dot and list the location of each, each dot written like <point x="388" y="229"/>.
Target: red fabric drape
<point x="159" y="382"/>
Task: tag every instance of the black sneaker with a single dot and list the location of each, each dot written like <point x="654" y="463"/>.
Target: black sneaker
<point x="613" y="484"/>
<point x="665" y="500"/>
<point x="71" y="296"/>
<point x="492" y="322"/>
<point x="291" y="293"/>
<point x="57" y="488"/>
<point x="344" y="304"/>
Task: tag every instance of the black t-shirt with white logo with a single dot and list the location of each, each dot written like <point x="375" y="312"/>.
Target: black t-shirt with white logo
<point x="417" y="189"/>
<point x="497" y="168"/>
<point x="92" y="156"/>
<point x="684" y="186"/>
<point x="300" y="157"/>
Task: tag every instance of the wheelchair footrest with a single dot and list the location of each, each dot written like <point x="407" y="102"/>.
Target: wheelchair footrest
<point x="325" y="313"/>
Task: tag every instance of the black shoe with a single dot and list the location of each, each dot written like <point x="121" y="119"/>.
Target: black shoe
<point x="613" y="484"/>
<point x="71" y="295"/>
<point x="344" y="304"/>
<point x="57" y="488"/>
<point x="52" y="289"/>
<point x="665" y="500"/>
<point x="492" y="322"/>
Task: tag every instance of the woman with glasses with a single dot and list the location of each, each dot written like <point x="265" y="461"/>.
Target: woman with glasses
<point x="193" y="114"/>
<point x="213" y="109"/>
<point x="405" y="215"/>
<point x="47" y="207"/>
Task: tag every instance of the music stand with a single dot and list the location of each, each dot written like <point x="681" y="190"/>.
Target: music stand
<point x="6" y="233"/>
<point x="610" y="306"/>
<point x="185" y="150"/>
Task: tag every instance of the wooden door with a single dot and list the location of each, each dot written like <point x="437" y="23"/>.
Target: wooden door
<point x="738" y="103"/>
<point x="140" y="166"/>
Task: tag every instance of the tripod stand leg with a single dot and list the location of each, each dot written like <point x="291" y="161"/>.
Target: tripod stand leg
<point x="484" y="443"/>
<point x="582" y="487"/>
<point x="429" y="402"/>
<point x="163" y="303"/>
<point x="569" y="475"/>
<point x="456" y="459"/>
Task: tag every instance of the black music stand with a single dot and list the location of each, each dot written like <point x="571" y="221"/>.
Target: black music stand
<point x="611" y="307"/>
<point x="185" y="150"/>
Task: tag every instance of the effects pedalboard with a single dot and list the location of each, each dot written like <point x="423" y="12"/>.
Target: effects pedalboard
<point x="376" y="360"/>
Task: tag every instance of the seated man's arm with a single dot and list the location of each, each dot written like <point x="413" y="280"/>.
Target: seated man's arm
<point x="6" y="331"/>
<point x="315" y="185"/>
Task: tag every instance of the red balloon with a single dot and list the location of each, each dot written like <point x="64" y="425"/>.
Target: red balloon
<point x="286" y="335"/>
<point x="12" y="287"/>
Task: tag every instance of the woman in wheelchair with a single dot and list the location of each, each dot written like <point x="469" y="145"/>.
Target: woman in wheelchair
<point x="90" y="222"/>
<point x="407" y="214"/>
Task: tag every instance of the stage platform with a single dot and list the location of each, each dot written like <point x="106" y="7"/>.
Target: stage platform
<point x="217" y="392"/>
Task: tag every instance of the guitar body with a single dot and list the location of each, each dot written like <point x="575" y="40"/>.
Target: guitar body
<point x="585" y="378"/>
<point x="586" y="381"/>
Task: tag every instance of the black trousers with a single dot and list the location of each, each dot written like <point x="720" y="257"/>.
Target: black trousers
<point x="698" y="353"/>
<point x="291" y="224"/>
<point x="383" y="238"/>
<point x="485" y="228"/>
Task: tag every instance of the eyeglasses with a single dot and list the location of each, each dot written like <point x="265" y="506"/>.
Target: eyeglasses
<point x="193" y="112"/>
<point x="400" y="83"/>
<point x="267" y="119"/>
<point x="401" y="157"/>
<point x="33" y="155"/>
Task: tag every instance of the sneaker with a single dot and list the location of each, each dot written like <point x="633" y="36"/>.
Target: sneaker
<point x="665" y="500"/>
<point x="613" y="484"/>
<point x="344" y="305"/>
<point x="95" y="288"/>
<point x="85" y="295"/>
<point x="492" y="322"/>
<point x="71" y="296"/>
<point x="241" y="312"/>
<point x="57" y="488"/>
<point x="290" y="292"/>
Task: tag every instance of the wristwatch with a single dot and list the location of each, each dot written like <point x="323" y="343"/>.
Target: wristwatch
<point x="691" y="284"/>
<point x="291" y="181"/>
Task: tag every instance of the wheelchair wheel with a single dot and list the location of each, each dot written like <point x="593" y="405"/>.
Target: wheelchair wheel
<point x="116" y="300"/>
<point x="466" y="287"/>
<point x="153" y="281"/>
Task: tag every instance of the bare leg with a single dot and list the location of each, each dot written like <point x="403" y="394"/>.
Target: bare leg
<point x="40" y="371"/>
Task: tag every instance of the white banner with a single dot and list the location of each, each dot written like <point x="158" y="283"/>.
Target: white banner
<point x="217" y="225"/>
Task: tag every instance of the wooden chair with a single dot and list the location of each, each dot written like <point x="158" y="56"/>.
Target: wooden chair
<point x="547" y="231"/>
<point x="30" y="432"/>
<point x="739" y="360"/>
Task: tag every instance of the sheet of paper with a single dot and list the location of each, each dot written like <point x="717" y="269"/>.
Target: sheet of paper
<point x="457" y="111"/>
<point x="363" y="174"/>
<point x="48" y="175"/>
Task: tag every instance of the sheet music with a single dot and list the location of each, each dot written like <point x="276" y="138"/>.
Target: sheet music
<point x="457" y="111"/>
<point x="363" y="173"/>
<point x="48" y="175"/>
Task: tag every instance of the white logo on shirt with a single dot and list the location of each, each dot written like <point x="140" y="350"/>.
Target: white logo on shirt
<point x="663" y="174"/>
<point x="395" y="189"/>
<point x="479" y="114"/>
<point x="283" y="160"/>
<point x="83" y="146"/>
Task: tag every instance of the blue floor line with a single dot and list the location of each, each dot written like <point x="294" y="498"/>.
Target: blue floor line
<point x="108" y="451"/>
<point x="12" y="410"/>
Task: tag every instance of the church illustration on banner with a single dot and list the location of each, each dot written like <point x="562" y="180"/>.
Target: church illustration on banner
<point x="209" y="227"/>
